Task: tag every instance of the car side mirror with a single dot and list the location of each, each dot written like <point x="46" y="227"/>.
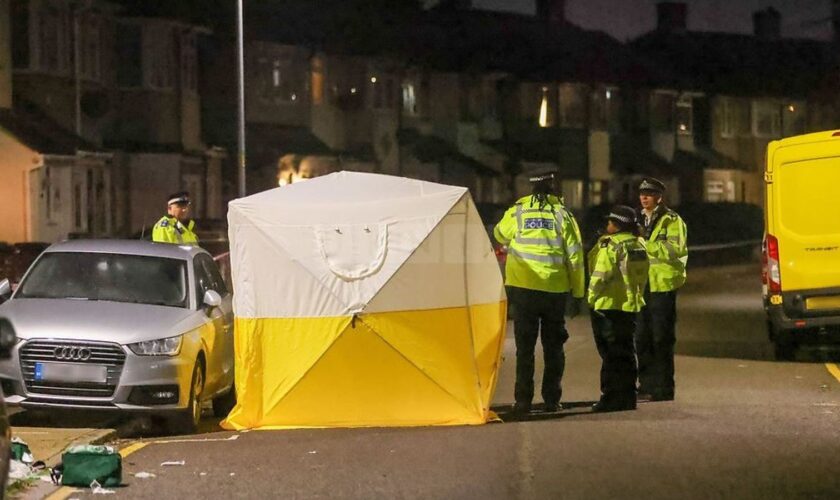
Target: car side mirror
<point x="212" y="299"/>
<point x="8" y="338"/>
<point x="5" y="290"/>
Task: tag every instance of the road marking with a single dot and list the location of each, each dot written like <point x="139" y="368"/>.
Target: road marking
<point x="65" y="491"/>
<point x="206" y="440"/>
<point x="834" y="370"/>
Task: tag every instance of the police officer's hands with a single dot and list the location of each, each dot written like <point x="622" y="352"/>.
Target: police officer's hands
<point x="573" y="307"/>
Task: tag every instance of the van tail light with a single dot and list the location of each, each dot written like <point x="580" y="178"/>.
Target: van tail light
<point x="772" y="269"/>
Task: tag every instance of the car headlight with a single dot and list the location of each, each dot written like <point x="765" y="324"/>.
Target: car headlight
<point x="161" y="347"/>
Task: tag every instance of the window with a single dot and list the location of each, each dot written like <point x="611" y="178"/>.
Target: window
<point x="714" y="191"/>
<point x="573" y="193"/>
<point x="90" y="43"/>
<point x="727" y="118"/>
<point x="767" y="119"/>
<point x="189" y="62"/>
<point x="409" y="99"/>
<point x="211" y="270"/>
<point x="662" y="112"/>
<point x="604" y="110"/>
<point x="793" y="119"/>
<point x="685" y="116"/>
<point x="129" y="45"/>
<point x="572" y="106"/>
<point x="160" y="60"/>
<point x="317" y="81"/>
<point x="48" y="38"/>
<point x="547" y="114"/>
<point x="598" y="192"/>
<point x="20" y="33"/>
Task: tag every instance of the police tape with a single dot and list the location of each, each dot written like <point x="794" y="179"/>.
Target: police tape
<point x="723" y="246"/>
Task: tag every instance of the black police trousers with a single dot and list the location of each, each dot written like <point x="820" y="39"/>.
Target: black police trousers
<point x="613" y="331"/>
<point x="655" y="339"/>
<point x="537" y="313"/>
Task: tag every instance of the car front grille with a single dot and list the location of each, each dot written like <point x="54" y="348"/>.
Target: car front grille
<point x="110" y="355"/>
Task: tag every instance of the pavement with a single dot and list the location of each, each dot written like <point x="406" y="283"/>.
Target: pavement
<point x="742" y="426"/>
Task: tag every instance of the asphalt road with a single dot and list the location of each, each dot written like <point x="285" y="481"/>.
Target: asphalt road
<point x="742" y="426"/>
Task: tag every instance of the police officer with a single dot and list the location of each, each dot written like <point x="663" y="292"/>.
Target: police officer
<point x="665" y="234"/>
<point x="619" y="272"/>
<point x="176" y="226"/>
<point x="544" y="266"/>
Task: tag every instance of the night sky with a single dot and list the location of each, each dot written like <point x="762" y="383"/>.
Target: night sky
<point x="630" y="18"/>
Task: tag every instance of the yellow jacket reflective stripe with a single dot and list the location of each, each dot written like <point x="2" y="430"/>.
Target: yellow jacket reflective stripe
<point x="668" y="252"/>
<point x="619" y="272"/>
<point x="170" y="230"/>
<point x="544" y="247"/>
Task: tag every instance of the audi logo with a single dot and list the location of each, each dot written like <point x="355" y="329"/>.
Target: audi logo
<point x="72" y="353"/>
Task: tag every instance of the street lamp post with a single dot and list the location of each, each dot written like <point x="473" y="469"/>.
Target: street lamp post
<point x="240" y="118"/>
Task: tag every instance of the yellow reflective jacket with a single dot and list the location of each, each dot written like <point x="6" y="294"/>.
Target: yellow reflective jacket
<point x="544" y="247"/>
<point x="618" y="266"/>
<point x="667" y="250"/>
<point x="171" y="230"/>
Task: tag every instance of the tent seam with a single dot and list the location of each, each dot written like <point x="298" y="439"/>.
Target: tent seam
<point x="469" y="308"/>
<point x="409" y="361"/>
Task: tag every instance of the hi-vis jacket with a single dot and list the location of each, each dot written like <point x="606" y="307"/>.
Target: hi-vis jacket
<point x="667" y="250"/>
<point x="544" y="247"/>
<point x="171" y="230"/>
<point x="619" y="272"/>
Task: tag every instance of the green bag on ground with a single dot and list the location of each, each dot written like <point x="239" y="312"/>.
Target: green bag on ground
<point x="85" y="464"/>
<point x="20" y="451"/>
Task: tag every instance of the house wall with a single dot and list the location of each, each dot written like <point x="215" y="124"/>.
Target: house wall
<point x="16" y="161"/>
<point x="152" y="177"/>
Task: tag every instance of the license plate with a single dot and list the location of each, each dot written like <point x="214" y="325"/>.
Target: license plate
<point x="71" y="372"/>
<point x="826" y="302"/>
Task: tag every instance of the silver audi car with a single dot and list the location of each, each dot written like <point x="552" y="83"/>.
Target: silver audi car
<point x="121" y="325"/>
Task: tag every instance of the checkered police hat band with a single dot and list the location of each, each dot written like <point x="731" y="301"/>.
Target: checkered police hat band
<point x="622" y="218"/>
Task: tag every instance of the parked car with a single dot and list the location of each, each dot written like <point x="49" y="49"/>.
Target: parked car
<point x="7" y="342"/>
<point x="121" y="325"/>
<point x="15" y="259"/>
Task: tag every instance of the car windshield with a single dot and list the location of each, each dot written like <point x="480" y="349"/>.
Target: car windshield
<point x="103" y="276"/>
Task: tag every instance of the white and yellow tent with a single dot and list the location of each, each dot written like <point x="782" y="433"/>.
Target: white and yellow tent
<point x="363" y="300"/>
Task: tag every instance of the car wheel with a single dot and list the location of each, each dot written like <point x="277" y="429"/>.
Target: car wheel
<point x="187" y="420"/>
<point x="223" y="404"/>
<point x="785" y="350"/>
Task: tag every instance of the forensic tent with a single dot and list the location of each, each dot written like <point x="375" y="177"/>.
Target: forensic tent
<point x="363" y="300"/>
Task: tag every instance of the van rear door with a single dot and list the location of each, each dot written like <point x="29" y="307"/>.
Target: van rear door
<point x="803" y="215"/>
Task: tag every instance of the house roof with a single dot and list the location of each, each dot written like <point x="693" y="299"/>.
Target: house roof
<point x="39" y="132"/>
<point x="527" y="46"/>
<point x="428" y="148"/>
<point x="267" y="143"/>
<point x="739" y="64"/>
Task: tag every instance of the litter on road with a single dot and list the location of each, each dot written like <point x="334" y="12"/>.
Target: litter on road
<point x="97" y="489"/>
<point x="172" y="463"/>
<point x="144" y="475"/>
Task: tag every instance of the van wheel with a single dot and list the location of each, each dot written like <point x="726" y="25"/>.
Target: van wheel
<point x="785" y="350"/>
<point x="186" y="421"/>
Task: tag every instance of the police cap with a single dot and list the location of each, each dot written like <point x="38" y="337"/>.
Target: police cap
<point x="547" y="176"/>
<point x="180" y="198"/>
<point x="651" y="185"/>
<point x="623" y="216"/>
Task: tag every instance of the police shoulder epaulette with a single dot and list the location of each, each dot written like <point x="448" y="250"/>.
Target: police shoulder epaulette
<point x="163" y="222"/>
<point x="605" y="243"/>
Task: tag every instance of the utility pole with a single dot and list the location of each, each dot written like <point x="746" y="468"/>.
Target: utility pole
<point x="77" y="69"/>
<point x="240" y="118"/>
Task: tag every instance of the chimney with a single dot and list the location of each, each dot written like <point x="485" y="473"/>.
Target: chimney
<point x="553" y="12"/>
<point x="5" y="56"/>
<point x="671" y="17"/>
<point x="767" y="24"/>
